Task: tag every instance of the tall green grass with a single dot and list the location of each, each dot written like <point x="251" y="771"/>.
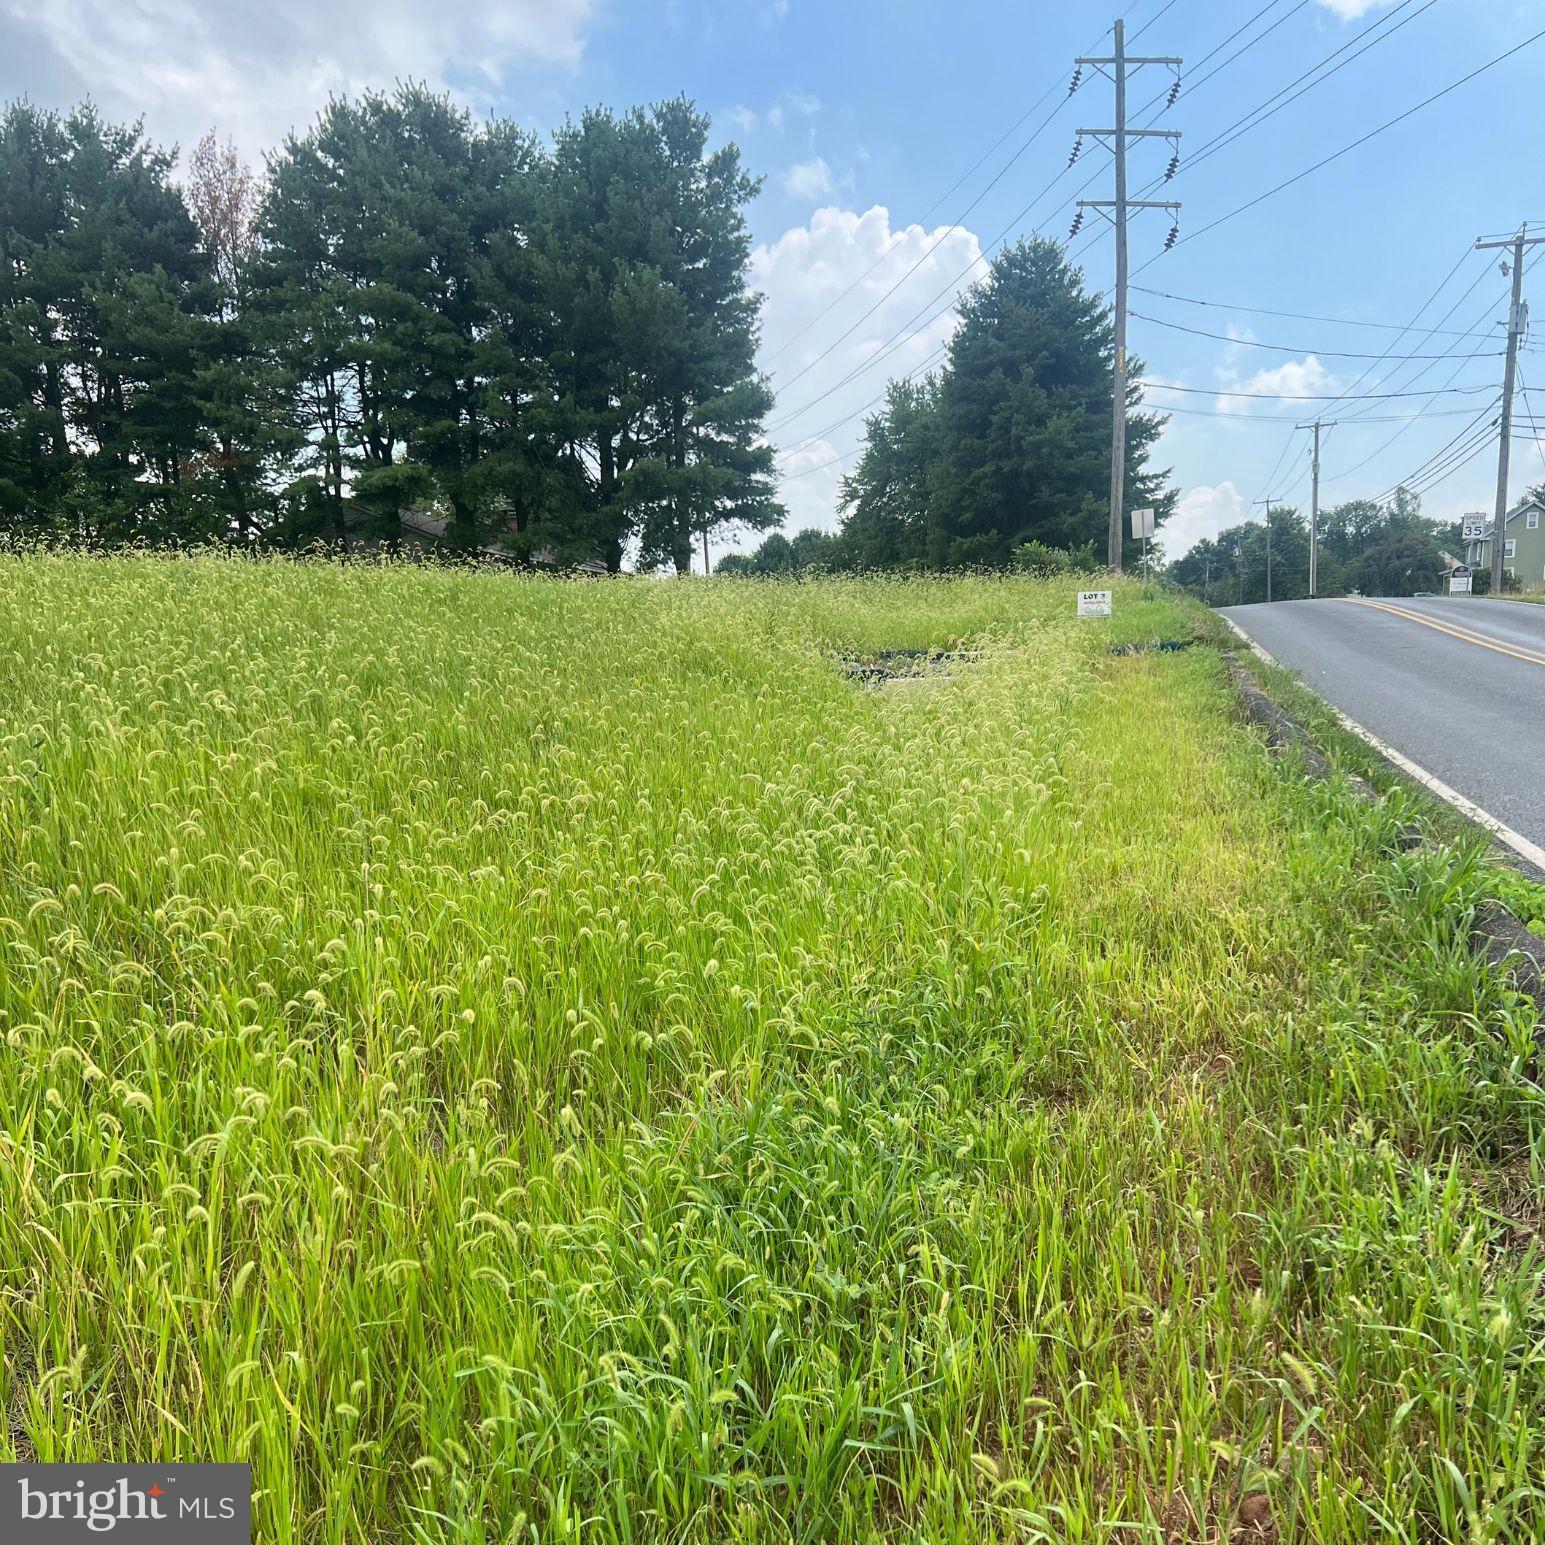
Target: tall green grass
<point x="527" y="1060"/>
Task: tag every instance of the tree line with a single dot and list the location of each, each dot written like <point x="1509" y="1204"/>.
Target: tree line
<point x="549" y="349"/>
<point x="1374" y="549"/>
<point x="1002" y="455"/>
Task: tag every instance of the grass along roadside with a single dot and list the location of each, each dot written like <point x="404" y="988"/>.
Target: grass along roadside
<point x="533" y="1060"/>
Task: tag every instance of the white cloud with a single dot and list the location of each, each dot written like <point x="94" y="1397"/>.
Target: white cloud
<point x="1293" y="378"/>
<point x="792" y="103"/>
<point x="1200" y="514"/>
<point x="257" y="68"/>
<point x="809" y="180"/>
<point x="847" y="262"/>
<point x="1350" y="10"/>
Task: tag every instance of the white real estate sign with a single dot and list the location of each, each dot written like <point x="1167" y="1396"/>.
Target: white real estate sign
<point x="1094" y="603"/>
<point x="1459" y="584"/>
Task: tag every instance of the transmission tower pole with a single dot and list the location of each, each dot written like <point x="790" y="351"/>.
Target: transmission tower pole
<point x="1314" y="507"/>
<point x="1116" y="210"/>
<point x="1517" y="322"/>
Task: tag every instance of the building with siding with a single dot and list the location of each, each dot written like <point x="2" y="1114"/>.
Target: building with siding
<point x="1524" y="545"/>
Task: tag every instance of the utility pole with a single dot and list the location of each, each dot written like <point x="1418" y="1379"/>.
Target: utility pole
<point x="1314" y="507"/>
<point x="1268" y="503"/>
<point x="1517" y="322"/>
<point x="1116" y="210"/>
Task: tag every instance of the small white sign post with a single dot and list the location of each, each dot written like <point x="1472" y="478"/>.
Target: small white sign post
<point x="1094" y="603"/>
<point x="1142" y="526"/>
<point x="1475" y="528"/>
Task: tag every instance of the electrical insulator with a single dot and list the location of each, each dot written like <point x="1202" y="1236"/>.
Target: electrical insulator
<point x="1078" y="75"/>
<point x="1077" y="225"/>
<point x="1174" y="93"/>
<point x="1078" y="146"/>
<point x="1173" y="237"/>
<point x="1173" y="167"/>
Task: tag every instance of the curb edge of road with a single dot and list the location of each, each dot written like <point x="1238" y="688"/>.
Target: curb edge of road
<point x="1506" y="943"/>
<point x="1532" y="854"/>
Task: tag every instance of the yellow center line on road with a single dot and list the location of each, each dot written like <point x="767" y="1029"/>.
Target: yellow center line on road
<point x="1465" y="635"/>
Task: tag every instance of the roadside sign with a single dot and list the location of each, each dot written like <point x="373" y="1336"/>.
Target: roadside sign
<point x="1142" y="523"/>
<point x="1458" y="584"/>
<point x="1474" y="528"/>
<point x="1094" y="603"/>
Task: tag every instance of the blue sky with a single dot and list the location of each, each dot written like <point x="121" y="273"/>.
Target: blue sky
<point x="863" y="114"/>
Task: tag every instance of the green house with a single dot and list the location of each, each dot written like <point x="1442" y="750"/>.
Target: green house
<point x="1523" y="554"/>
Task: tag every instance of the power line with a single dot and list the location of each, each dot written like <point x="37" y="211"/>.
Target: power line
<point x="1416" y="317"/>
<point x="1301" y="316"/>
<point x="839" y="459"/>
<point x="1286" y="348"/>
<point x="897" y="338"/>
<point x="1271" y="476"/>
<point x="1243" y="49"/>
<point x="874" y="402"/>
<point x="1482" y="425"/>
<point x="1336" y="155"/>
<point x="1523" y="391"/>
<point x="997" y="241"/>
<point x="1282" y="418"/>
<point x="1358" y="418"/>
<point x="928" y="251"/>
<point x="1257" y="116"/>
<point x="959" y="182"/>
<point x="1458" y="463"/>
<point x="1243" y="125"/>
<point x="1157" y="16"/>
<point x="1210" y="391"/>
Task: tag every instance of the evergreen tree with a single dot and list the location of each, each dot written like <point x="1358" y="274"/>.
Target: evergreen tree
<point x="886" y="499"/>
<point x="643" y="257"/>
<point x="553" y="351"/>
<point x="1010" y="443"/>
<point x="105" y="300"/>
<point x="1025" y="416"/>
<point x="709" y="468"/>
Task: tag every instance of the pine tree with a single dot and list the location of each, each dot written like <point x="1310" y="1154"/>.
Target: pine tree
<point x="1025" y="414"/>
<point x="105" y="306"/>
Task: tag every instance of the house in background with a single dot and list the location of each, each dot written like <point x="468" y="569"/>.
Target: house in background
<point x="1523" y="552"/>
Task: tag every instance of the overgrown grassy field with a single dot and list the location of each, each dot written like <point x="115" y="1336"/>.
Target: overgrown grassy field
<point x="544" y="1061"/>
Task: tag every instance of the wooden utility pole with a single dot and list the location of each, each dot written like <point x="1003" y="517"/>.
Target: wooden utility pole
<point x="1517" y="322"/>
<point x="1116" y="211"/>
<point x="1314" y="507"/>
<point x="1268" y="503"/>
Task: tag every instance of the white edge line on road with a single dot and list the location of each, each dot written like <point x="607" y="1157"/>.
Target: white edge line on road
<point x="1467" y="807"/>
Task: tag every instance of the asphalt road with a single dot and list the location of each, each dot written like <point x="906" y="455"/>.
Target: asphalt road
<point x="1457" y="684"/>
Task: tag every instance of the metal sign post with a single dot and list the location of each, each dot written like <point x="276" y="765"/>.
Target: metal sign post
<point x="1142" y="526"/>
